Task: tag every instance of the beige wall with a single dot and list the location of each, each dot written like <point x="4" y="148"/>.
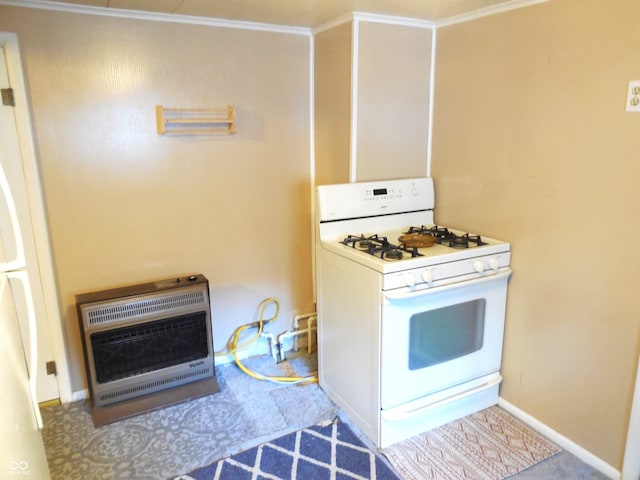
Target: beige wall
<point x="532" y="144"/>
<point x="332" y="104"/>
<point x="394" y="66"/>
<point x="127" y="205"/>
<point x="375" y="76"/>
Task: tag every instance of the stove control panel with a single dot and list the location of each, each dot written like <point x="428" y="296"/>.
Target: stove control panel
<point x="432" y="276"/>
<point x="359" y="200"/>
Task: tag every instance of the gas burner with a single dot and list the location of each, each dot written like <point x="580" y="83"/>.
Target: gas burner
<point x="465" y="241"/>
<point x="448" y="238"/>
<point x="365" y="243"/>
<point x="393" y="253"/>
<point x="458" y="242"/>
<point x="434" y="231"/>
<point x="380" y="247"/>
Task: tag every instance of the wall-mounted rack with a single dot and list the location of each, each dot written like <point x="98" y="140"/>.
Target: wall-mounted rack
<point x="195" y="121"/>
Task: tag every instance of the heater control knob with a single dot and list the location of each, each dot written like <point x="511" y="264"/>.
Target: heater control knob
<point x="478" y="266"/>
<point x="409" y="279"/>
<point x="493" y="263"/>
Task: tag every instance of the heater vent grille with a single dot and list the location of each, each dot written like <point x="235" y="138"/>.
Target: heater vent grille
<point x="143" y="307"/>
<point x="148" y="346"/>
<point x="153" y="386"/>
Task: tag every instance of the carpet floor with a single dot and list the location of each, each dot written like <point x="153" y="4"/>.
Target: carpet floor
<point x="183" y="438"/>
<point x="180" y="438"/>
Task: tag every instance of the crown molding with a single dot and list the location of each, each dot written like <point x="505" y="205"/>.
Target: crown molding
<point x="414" y="22"/>
<point x="487" y="11"/>
<point x="333" y="23"/>
<point x="155" y="16"/>
<point x="218" y="22"/>
<point x="374" y="18"/>
<point x="388" y="19"/>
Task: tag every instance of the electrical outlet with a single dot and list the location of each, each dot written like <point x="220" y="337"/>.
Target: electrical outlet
<point x="633" y="96"/>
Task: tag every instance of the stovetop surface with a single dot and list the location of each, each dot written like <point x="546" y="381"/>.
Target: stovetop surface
<point x="415" y="241"/>
<point x="377" y="256"/>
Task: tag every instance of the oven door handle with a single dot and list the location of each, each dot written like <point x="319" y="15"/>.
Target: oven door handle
<point x="404" y="295"/>
<point x="408" y="413"/>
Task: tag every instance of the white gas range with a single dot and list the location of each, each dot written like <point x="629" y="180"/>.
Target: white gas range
<point x="410" y="314"/>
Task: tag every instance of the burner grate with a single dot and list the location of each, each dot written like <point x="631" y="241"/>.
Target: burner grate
<point x="380" y="247"/>
<point x="446" y="237"/>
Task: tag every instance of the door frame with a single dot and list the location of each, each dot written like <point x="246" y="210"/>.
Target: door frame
<point x="9" y="42"/>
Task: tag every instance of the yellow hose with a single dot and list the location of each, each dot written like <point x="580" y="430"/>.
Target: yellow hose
<point x="234" y="347"/>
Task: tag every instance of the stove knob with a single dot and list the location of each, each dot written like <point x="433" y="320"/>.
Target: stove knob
<point x="409" y="279"/>
<point x="478" y="266"/>
<point x="493" y="263"/>
<point x="427" y="275"/>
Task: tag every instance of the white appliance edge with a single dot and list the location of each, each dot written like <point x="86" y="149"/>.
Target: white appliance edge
<point x="22" y="450"/>
<point x="21" y="446"/>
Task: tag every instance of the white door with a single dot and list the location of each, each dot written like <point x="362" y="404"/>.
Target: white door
<point x="20" y="243"/>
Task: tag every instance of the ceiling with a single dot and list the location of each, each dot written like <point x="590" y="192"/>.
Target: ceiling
<point x="298" y="13"/>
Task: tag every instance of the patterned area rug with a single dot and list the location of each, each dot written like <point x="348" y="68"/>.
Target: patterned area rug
<point x="320" y="452"/>
<point x="487" y="445"/>
<point x="164" y="443"/>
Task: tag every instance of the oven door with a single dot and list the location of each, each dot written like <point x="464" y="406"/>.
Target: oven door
<point x="437" y="338"/>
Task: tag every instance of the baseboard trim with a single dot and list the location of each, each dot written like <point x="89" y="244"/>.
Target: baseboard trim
<point x="562" y="441"/>
<point x="50" y="403"/>
<point x="79" y="395"/>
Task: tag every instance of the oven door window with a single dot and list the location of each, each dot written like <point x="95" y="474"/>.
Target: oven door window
<point x="447" y="333"/>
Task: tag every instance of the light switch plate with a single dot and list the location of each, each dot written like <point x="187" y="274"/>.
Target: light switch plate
<point x="633" y="96"/>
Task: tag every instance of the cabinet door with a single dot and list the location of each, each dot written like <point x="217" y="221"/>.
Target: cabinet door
<point x="394" y="63"/>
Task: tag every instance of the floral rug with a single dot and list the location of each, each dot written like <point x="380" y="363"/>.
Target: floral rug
<point x="164" y="443"/>
<point x="488" y="445"/>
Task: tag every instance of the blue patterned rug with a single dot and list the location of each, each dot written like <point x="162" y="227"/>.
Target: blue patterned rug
<point x="320" y="452"/>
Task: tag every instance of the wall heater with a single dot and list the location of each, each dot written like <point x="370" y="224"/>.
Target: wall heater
<point x="146" y="338"/>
